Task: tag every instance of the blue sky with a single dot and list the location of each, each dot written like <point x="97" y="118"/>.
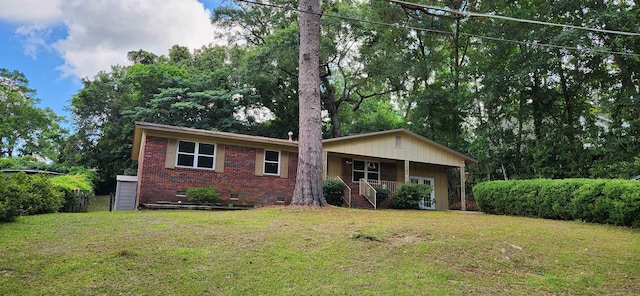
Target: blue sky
<point x="55" y="43"/>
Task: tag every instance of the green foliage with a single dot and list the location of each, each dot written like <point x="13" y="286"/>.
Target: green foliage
<point x="333" y="191"/>
<point x="600" y="201"/>
<point x="624" y="169"/>
<point x="408" y="196"/>
<point x="24" y="127"/>
<point x="30" y="163"/>
<point x="70" y="184"/>
<point x="382" y="194"/>
<point x="203" y="194"/>
<point x="22" y="194"/>
<point x="178" y="90"/>
<point x="9" y="203"/>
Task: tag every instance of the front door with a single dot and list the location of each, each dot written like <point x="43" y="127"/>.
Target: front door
<point x="427" y="202"/>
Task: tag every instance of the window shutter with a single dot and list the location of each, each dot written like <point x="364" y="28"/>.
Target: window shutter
<point x="172" y="150"/>
<point x="220" y="158"/>
<point x="284" y="164"/>
<point x="259" y="162"/>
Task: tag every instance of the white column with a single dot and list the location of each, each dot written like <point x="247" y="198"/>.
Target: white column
<point x="406" y="172"/>
<point x="324" y="165"/>
<point x="462" y="189"/>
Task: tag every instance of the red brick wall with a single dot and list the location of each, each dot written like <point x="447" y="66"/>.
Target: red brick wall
<point x="157" y="183"/>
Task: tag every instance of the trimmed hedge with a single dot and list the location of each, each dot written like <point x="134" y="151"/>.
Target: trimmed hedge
<point x="600" y="201"/>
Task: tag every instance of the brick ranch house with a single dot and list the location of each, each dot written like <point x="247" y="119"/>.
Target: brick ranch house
<point x="251" y="170"/>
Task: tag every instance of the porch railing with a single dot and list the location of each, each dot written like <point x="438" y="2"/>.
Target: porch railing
<point x="346" y="194"/>
<point x="368" y="192"/>
<point x="391" y="185"/>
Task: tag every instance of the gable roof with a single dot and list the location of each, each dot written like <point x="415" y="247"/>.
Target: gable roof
<point x="177" y="132"/>
<point x="397" y="132"/>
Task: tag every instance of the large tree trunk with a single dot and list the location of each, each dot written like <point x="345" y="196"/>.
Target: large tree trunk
<point x="308" y="190"/>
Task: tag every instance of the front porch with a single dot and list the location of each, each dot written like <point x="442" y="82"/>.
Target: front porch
<point x="387" y="174"/>
<point x="392" y="158"/>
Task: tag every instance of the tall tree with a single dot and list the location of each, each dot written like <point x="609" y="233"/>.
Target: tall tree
<point x="182" y="89"/>
<point x="308" y="189"/>
<point x="24" y="127"/>
<point x="270" y="66"/>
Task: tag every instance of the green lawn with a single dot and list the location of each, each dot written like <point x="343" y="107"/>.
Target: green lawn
<point x="99" y="203"/>
<point x="280" y="251"/>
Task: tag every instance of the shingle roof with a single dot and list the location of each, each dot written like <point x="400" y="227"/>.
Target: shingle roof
<point x="226" y="135"/>
<point x="272" y="141"/>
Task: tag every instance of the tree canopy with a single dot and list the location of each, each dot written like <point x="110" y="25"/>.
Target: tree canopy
<point x="25" y="128"/>
<point x="526" y="100"/>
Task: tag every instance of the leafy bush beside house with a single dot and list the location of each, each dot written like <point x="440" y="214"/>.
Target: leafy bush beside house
<point x="203" y="194"/>
<point x="600" y="201"/>
<point x="382" y="194"/>
<point x="408" y="196"/>
<point x="333" y="191"/>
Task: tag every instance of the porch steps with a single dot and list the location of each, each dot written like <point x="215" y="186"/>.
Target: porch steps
<point x="360" y="202"/>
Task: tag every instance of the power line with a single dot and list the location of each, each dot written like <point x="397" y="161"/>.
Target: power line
<point x="475" y="14"/>
<point x="445" y="32"/>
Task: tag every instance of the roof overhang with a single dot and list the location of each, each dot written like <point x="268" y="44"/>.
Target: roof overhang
<point x="182" y="132"/>
<point x="347" y="139"/>
<point x="153" y="129"/>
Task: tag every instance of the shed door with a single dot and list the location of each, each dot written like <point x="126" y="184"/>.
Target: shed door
<point x="427" y="202"/>
<point x="125" y="196"/>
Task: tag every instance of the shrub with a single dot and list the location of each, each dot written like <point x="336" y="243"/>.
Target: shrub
<point x="21" y="194"/>
<point x="203" y="194"/>
<point x="408" y="196"/>
<point x="333" y="191"/>
<point x="69" y="184"/>
<point x="9" y="204"/>
<point x="46" y="198"/>
<point x="600" y="201"/>
<point x="30" y="163"/>
<point x="382" y="194"/>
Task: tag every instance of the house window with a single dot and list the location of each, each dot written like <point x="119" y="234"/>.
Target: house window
<point x="369" y="170"/>
<point x="271" y="162"/>
<point x="196" y="155"/>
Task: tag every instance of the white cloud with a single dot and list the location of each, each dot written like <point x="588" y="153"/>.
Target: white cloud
<point x="33" y="38"/>
<point x="37" y="12"/>
<point x="101" y="32"/>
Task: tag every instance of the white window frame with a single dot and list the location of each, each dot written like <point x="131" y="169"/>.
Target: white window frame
<point x="264" y="166"/>
<point x="366" y="169"/>
<point x="196" y="154"/>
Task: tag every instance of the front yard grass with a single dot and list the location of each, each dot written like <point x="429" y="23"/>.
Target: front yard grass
<point x="334" y="251"/>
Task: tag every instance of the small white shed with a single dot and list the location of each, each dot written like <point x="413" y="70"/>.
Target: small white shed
<point x="125" y="193"/>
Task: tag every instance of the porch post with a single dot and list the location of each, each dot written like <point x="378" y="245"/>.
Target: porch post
<point x="324" y="165"/>
<point x="406" y="172"/>
<point x="463" y="198"/>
